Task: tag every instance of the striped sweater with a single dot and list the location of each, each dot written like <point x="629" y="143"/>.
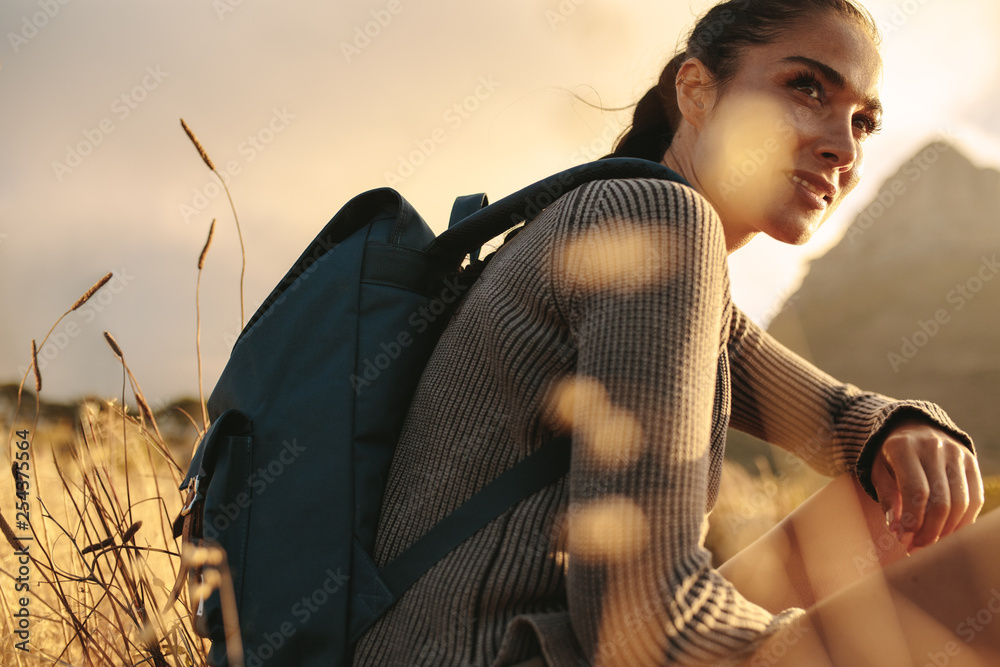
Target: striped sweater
<point x="608" y="316"/>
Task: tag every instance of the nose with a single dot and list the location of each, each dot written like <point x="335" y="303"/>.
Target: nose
<point x="838" y="146"/>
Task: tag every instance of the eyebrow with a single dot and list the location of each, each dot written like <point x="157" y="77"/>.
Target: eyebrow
<point x="836" y="78"/>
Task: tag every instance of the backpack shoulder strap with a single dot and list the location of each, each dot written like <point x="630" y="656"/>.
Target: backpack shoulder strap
<point x="463" y="208"/>
<point x="526" y="477"/>
<point x="479" y="227"/>
<point x="466" y="206"/>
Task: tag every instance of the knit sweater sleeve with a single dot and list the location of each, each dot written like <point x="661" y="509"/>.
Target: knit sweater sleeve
<point x="834" y="427"/>
<point x="638" y="273"/>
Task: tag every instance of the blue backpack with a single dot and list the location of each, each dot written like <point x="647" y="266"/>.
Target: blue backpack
<point x="289" y="477"/>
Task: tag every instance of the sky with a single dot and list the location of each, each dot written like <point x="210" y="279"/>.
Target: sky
<point x="303" y="105"/>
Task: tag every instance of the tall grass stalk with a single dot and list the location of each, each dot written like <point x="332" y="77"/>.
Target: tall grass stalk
<point x="239" y="232"/>
<point x="197" y="308"/>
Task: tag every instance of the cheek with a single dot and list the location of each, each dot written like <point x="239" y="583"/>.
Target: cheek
<point x="850" y="179"/>
<point x="744" y="155"/>
<point x="800" y="125"/>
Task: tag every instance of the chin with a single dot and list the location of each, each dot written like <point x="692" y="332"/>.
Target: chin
<point x="792" y="234"/>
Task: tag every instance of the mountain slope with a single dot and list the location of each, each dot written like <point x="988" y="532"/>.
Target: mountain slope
<point x="907" y="303"/>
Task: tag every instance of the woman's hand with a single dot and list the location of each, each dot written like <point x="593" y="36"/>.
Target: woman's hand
<point x="927" y="482"/>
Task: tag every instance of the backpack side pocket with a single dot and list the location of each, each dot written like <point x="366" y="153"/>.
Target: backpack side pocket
<point x="217" y="512"/>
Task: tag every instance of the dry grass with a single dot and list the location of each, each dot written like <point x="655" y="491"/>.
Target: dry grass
<point x="102" y="555"/>
<point x="88" y="549"/>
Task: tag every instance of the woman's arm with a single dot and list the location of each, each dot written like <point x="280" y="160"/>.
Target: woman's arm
<point x="639" y="275"/>
<point x="909" y="455"/>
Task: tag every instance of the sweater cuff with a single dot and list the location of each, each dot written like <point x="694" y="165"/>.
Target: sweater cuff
<point x="893" y="415"/>
<point x="784" y="630"/>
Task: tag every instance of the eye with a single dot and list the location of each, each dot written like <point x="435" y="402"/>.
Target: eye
<point x="810" y="89"/>
<point x="806" y="83"/>
<point x="867" y="125"/>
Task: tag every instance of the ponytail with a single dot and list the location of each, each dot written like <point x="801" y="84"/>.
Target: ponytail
<point x="656" y="118"/>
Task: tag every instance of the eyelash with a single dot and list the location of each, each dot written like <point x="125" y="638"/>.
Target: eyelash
<point x="805" y="78"/>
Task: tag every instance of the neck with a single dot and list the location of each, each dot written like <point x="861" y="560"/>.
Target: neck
<point x="679" y="158"/>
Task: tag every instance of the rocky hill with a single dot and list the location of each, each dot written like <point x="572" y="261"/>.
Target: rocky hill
<point x="908" y="303"/>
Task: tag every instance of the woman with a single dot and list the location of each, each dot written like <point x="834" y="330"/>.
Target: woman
<point x="609" y="316"/>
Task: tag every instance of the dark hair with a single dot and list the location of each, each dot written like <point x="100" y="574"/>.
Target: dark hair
<point x="718" y="40"/>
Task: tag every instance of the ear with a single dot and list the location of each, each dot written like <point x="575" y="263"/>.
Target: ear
<point x="695" y="94"/>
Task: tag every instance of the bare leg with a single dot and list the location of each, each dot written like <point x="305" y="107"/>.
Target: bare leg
<point x="937" y="608"/>
<point x="832" y="540"/>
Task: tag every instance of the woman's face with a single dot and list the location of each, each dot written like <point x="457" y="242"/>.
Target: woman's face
<point x="783" y="145"/>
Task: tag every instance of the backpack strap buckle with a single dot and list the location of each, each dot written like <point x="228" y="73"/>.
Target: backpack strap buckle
<point x="193" y="495"/>
<point x="187" y="527"/>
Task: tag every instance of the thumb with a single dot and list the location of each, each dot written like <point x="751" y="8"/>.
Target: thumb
<point x="888" y="491"/>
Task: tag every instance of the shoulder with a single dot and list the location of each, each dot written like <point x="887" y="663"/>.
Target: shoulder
<point x="641" y="199"/>
<point x="647" y="205"/>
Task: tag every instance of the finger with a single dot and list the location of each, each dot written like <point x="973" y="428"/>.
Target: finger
<point x="938" y="502"/>
<point x="888" y="492"/>
<point x="914" y="490"/>
<point x="958" y="486"/>
<point x="977" y="494"/>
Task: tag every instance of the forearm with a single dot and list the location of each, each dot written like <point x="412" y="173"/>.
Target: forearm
<point x="834" y="427"/>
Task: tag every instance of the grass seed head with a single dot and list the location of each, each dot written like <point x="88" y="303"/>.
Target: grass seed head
<point x="89" y="293"/>
<point x="197" y="144"/>
<point x="9" y="534"/>
<point x="34" y="366"/>
<point x="130" y="533"/>
<point x="144" y="408"/>
<point x="97" y="546"/>
<point x="208" y="242"/>
<point x="114" y="345"/>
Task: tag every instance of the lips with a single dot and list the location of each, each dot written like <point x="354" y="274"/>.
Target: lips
<point x="817" y="185"/>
